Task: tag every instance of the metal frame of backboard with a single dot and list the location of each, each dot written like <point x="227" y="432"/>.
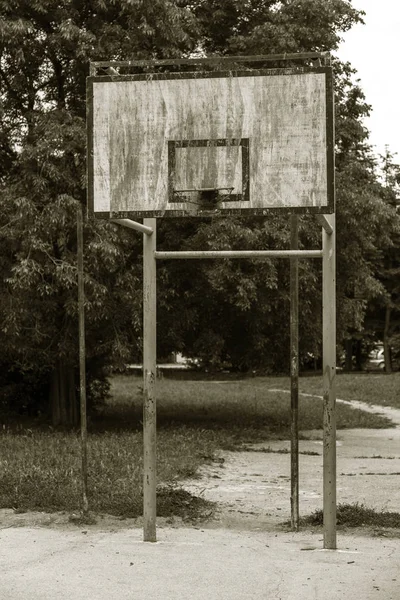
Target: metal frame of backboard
<point x="325" y="215"/>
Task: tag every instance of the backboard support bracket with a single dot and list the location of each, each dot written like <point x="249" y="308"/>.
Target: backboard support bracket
<point x="133" y="225"/>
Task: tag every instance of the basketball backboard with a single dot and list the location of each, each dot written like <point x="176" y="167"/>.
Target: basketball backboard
<point x="203" y="143"/>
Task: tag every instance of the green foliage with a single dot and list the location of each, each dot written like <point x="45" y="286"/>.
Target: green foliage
<point x="271" y="26"/>
<point x="234" y="312"/>
<point x="45" y="49"/>
<point x="368" y="223"/>
<point x="383" y="314"/>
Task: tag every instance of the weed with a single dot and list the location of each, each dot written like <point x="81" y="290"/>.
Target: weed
<point x="379" y="456"/>
<point x="173" y="500"/>
<point x="391" y="474"/>
<point x="356" y="515"/>
<point x="82" y="519"/>
<point x="270" y="450"/>
<point x="264" y="450"/>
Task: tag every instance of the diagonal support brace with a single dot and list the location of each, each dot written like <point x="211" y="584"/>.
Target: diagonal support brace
<point x="326" y="222"/>
<point x="134" y="225"/>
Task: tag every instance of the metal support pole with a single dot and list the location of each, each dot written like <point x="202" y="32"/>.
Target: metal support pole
<point x="329" y="382"/>
<point x="294" y="375"/>
<point x="200" y="254"/>
<point x="149" y="383"/>
<point x="82" y="365"/>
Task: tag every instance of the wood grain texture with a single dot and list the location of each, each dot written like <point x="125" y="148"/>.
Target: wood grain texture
<point x="283" y="116"/>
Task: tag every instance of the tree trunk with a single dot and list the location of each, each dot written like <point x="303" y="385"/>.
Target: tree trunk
<point x="348" y="348"/>
<point x="358" y="356"/>
<point x="63" y="397"/>
<point x="386" y="347"/>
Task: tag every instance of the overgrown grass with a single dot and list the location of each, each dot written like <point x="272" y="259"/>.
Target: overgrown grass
<point x="356" y="515"/>
<point x="40" y="469"/>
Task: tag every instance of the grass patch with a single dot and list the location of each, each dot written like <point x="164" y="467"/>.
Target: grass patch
<point x="40" y="468"/>
<point x="246" y="408"/>
<point x="376" y="388"/>
<point x="42" y="471"/>
<point x="356" y="515"/>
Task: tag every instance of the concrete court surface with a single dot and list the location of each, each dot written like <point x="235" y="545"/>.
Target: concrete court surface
<point x="214" y="564"/>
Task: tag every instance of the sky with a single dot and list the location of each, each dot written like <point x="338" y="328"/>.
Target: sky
<point x="374" y="50"/>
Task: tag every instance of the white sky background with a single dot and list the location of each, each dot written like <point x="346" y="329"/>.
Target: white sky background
<point x="374" y="50"/>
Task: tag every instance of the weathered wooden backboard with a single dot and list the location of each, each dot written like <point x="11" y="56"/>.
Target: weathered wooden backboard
<point x="181" y="144"/>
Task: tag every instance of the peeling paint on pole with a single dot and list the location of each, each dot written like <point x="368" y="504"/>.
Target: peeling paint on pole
<point x="149" y="384"/>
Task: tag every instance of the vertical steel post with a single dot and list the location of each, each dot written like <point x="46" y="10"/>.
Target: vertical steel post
<point x="149" y="383"/>
<point x="82" y="362"/>
<point x="329" y="382"/>
<point x="294" y="374"/>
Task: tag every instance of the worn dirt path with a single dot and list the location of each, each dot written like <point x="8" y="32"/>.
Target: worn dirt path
<point x="253" y="488"/>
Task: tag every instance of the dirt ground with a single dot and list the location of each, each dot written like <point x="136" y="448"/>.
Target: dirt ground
<point x="244" y="553"/>
<point x="253" y="488"/>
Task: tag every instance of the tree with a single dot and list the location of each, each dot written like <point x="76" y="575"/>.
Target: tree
<point x="366" y="222"/>
<point x="384" y="313"/>
<point x="45" y="48"/>
<point x="271" y="27"/>
<point x="391" y="177"/>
